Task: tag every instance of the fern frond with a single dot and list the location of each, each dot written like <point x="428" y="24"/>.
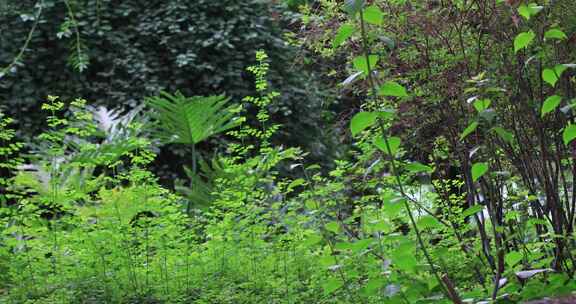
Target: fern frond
<point x="191" y="120"/>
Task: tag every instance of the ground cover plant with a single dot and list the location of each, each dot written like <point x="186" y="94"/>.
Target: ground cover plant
<point x="453" y="179"/>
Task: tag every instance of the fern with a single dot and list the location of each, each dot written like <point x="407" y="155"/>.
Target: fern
<point x="203" y="183"/>
<point x="190" y="120"/>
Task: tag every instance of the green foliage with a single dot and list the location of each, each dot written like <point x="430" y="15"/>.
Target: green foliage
<point x="523" y="40"/>
<point x="457" y="187"/>
<point x="9" y="157"/>
<point x="191" y="120"/>
<point x="478" y="170"/>
<point x="136" y="51"/>
<point x="392" y="88"/>
<point x="550" y="104"/>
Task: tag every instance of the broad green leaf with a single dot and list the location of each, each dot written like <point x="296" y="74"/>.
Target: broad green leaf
<point x="550" y="104"/>
<point x="513" y="258"/>
<point x="417" y="167"/>
<point x="478" y="170"/>
<point x="523" y="40"/>
<point x="333" y="227"/>
<point x="381" y="225"/>
<point x="524" y="11"/>
<point x="555" y="34"/>
<point x="472" y="210"/>
<point x="393" y="142"/>
<point x="361" y="121"/>
<point x="504" y="134"/>
<point x="392" y="88"/>
<point x="360" y="63"/>
<point x="297" y="182"/>
<point x="405" y="261"/>
<point x="393" y="206"/>
<point x="343" y="246"/>
<point x="550" y="77"/>
<point x="361" y="245"/>
<point x="327" y="261"/>
<point x="344" y="32"/>
<point x="373" y="15"/>
<point x="471" y="128"/>
<point x="372" y="286"/>
<point x="529" y="10"/>
<point x="313" y="167"/>
<point x="560" y="68"/>
<point x="428" y="221"/>
<point x="312" y="240"/>
<point x="332" y="285"/>
<point x="569" y="134"/>
<point x="482" y="104"/>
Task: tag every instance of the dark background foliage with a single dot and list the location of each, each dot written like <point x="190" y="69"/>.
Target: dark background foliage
<point x="136" y="49"/>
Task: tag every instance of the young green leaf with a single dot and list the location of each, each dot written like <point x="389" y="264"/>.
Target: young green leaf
<point x="381" y="225"/>
<point x="361" y="245"/>
<point x="513" y="258"/>
<point x="524" y="11"/>
<point x="523" y="40"/>
<point x="297" y="182"/>
<point x="312" y="240"/>
<point x="529" y="10"/>
<point x="417" y="167"/>
<point x="550" y="77"/>
<point x="429" y="221"/>
<point x="333" y="227"/>
<point x="569" y="134"/>
<point x="471" y="128"/>
<point x="482" y="104"/>
<point x="550" y="104"/>
<point x="361" y="121"/>
<point x="373" y="15"/>
<point x="504" y="134"/>
<point x="405" y="261"/>
<point x="332" y="285"/>
<point x="372" y="286"/>
<point x="360" y="63"/>
<point x="472" y="210"/>
<point x="392" y="88"/>
<point x="344" y="32"/>
<point x="555" y="34"/>
<point x="560" y="68"/>
<point x="393" y="142"/>
<point x="478" y="170"/>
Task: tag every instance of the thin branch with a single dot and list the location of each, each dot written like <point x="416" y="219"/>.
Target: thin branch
<point x="20" y="55"/>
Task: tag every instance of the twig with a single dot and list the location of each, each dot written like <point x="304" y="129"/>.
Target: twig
<point x="20" y="55"/>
